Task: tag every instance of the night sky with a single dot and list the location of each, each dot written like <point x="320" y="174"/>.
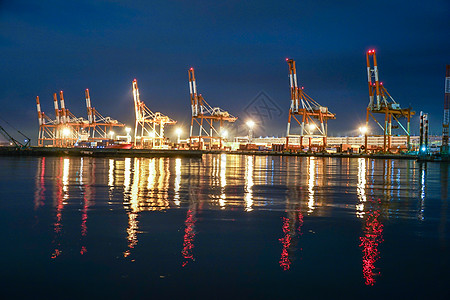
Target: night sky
<point x="238" y="50"/>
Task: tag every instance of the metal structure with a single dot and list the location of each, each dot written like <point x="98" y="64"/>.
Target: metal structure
<point x="149" y="127"/>
<point x="63" y="131"/>
<point x="381" y="102"/>
<point x="305" y="111"/>
<point x="26" y="143"/>
<point x="208" y="119"/>
<point x="13" y="141"/>
<point x="47" y="126"/>
<point x="423" y="141"/>
<point x="445" y="123"/>
<point x="67" y="130"/>
<point x="71" y="129"/>
<point x="99" y="126"/>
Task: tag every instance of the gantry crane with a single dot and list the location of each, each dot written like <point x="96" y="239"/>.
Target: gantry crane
<point x="47" y="126"/>
<point x="381" y="102"/>
<point x="13" y="141"/>
<point x="149" y="127"/>
<point x="205" y="117"/>
<point x="71" y="129"/>
<point x="49" y="134"/>
<point x="99" y="126"/>
<point x="308" y="111"/>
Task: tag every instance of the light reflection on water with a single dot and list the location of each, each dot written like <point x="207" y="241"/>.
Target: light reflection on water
<point x="371" y="192"/>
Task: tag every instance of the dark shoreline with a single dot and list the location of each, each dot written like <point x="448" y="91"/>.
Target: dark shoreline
<point x="103" y="152"/>
<point x="97" y="152"/>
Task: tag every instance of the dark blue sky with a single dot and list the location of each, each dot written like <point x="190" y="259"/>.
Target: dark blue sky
<point x="237" y="48"/>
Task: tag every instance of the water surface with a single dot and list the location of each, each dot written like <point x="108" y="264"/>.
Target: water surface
<point x="225" y="226"/>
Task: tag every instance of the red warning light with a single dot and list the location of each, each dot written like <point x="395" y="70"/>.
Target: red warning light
<point x="191" y="69"/>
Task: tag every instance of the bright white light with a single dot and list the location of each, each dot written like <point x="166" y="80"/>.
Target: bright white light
<point x="128" y="130"/>
<point x="178" y="131"/>
<point x="66" y="131"/>
<point x="224" y="133"/>
<point x="363" y="129"/>
<point x="424" y="148"/>
<point x="250" y="124"/>
<point x="312" y="127"/>
<point x="111" y="133"/>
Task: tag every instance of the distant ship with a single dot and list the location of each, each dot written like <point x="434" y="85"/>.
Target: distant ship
<point x="120" y="146"/>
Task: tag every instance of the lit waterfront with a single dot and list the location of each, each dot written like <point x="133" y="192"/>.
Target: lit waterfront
<point x="224" y="225"/>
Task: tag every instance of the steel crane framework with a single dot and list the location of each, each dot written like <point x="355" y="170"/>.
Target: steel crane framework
<point x="206" y="119"/>
<point x="149" y="127"/>
<point x="381" y="102"/>
<point x="306" y="111"/>
<point x="67" y="130"/>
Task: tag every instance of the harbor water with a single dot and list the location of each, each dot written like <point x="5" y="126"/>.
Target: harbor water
<point x="223" y="227"/>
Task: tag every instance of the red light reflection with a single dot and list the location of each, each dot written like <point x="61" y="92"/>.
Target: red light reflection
<point x="285" y="262"/>
<point x="373" y="237"/>
<point x="57" y="227"/>
<point x="188" y="240"/>
<point x="84" y="218"/>
<point x="40" y="185"/>
<point x="289" y="232"/>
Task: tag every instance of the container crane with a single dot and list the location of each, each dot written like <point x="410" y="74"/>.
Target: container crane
<point x="72" y="128"/>
<point x="12" y="140"/>
<point x="63" y="131"/>
<point x="99" y="126"/>
<point x="47" y="126"/>
<point x="207" y="118"/>
<point x="306" y="111"/>
<point x="149" y="127"/>
<point x="381" y="102"/>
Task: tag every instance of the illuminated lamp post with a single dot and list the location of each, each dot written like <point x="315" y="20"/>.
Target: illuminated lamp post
<point x="363" y="131"/>
<point x="250" y="125"/>
<point x="178" y="131"/>
<point x="128" y="130"/>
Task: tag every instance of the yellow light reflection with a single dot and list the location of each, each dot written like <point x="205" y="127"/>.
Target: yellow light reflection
<point x="361" y="187"/>
<point x="134" y="193"/>
<point x="131" y="233"/>
<point x="223" y="180"/>
<point x="151" y="176"/>
<point x="163" y="184"/>
<point x="111" y="174"/>
<point x="132" y="213"/>
<point x="248" y="184"/>
<point x="177" y="181"/>
<point x="127" y="176"/>
<point x="65" y="179"/>
<point x="80" y="178"/>
<point x="311" y="180"/>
